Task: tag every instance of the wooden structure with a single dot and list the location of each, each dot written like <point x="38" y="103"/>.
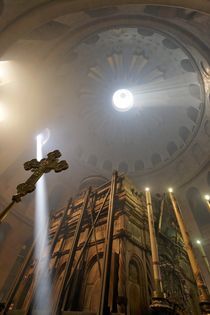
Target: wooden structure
<point x="100" y="257"/>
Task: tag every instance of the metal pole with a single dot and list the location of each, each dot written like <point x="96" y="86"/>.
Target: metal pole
<point x="5" y="212"/>
<point x="159" y="302"/>
<point x="203" y="254"/>
<point x="203" y="293"/>
<point x="57" y="233"/>
<point x="158" y="292"/>
<point x="105" y="277"/>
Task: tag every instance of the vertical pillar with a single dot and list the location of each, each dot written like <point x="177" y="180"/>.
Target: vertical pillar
<point x="105" y="277"/>
<point x="203" y="293"/>
<point x="203" y="254"/>
<point x="159" y="303"/>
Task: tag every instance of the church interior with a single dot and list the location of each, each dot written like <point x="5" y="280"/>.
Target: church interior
<point x="105" y="157"/>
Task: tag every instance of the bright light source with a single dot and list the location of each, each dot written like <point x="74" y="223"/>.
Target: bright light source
<point x="198" y="242"/>
<point x="3" y="113"/>
<point x="147" y="189"/>
<point x="207" y="197"/>
<point x="43" y="137"/>
<point x="123" y="100"/>
<point x="5" y="69"/>
<point x="170" y="190"/>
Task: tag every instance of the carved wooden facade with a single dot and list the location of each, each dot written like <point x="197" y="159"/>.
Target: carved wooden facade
<point x="100" y="258"/>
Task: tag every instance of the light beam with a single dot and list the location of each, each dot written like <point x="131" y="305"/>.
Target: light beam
<point x="42" y="296"/>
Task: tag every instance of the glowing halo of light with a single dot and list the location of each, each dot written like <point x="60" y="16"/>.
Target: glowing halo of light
<point x="207" y="197"/>
<point x="122" y="100"/>
<point x="170" y="190"/>
<point x="198" y="242"/>
<point x="147" y="189"/>
<point x="5" y="72"/>
<point x="3" y="113"/>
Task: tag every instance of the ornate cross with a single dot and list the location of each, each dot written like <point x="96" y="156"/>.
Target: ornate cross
<point x="38" y="168"/>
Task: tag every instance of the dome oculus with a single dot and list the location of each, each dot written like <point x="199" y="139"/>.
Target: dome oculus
<point x="122" y="100"/>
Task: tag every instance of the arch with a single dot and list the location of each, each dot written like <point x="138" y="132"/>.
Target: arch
<point x="171" y="148"/>
<point x="195" y="91"/>
<point x="192" y="113"/>
<point x="184" y="133"/>
<point x="92" y="284"/>
<point x="137" y="289"/>
<point x="187" y="65"/>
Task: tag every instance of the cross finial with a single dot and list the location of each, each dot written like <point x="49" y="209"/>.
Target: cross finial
<point x="38" y="168"/>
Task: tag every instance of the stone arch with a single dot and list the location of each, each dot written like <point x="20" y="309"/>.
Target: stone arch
<point x="137" y="290"/>
<point x="192" y="113"/>
<point x="92" y="284"/>
<point x="171" y="148"/>
<point x="184" y="133"/>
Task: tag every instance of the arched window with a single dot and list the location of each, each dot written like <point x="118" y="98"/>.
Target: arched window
<point x="137" y="289"/>
<point x="171" y="148"/>
<point x="192" y="113"/>
<point x="187" y="65"/>
<point x="184" y="133"/>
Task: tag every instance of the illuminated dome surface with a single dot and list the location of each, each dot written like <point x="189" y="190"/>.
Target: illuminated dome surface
<point x="76" y="61"/>
<point x="166" y="86"/>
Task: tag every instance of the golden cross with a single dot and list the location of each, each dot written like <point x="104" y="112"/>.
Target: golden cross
<point x="38" y="168"/>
